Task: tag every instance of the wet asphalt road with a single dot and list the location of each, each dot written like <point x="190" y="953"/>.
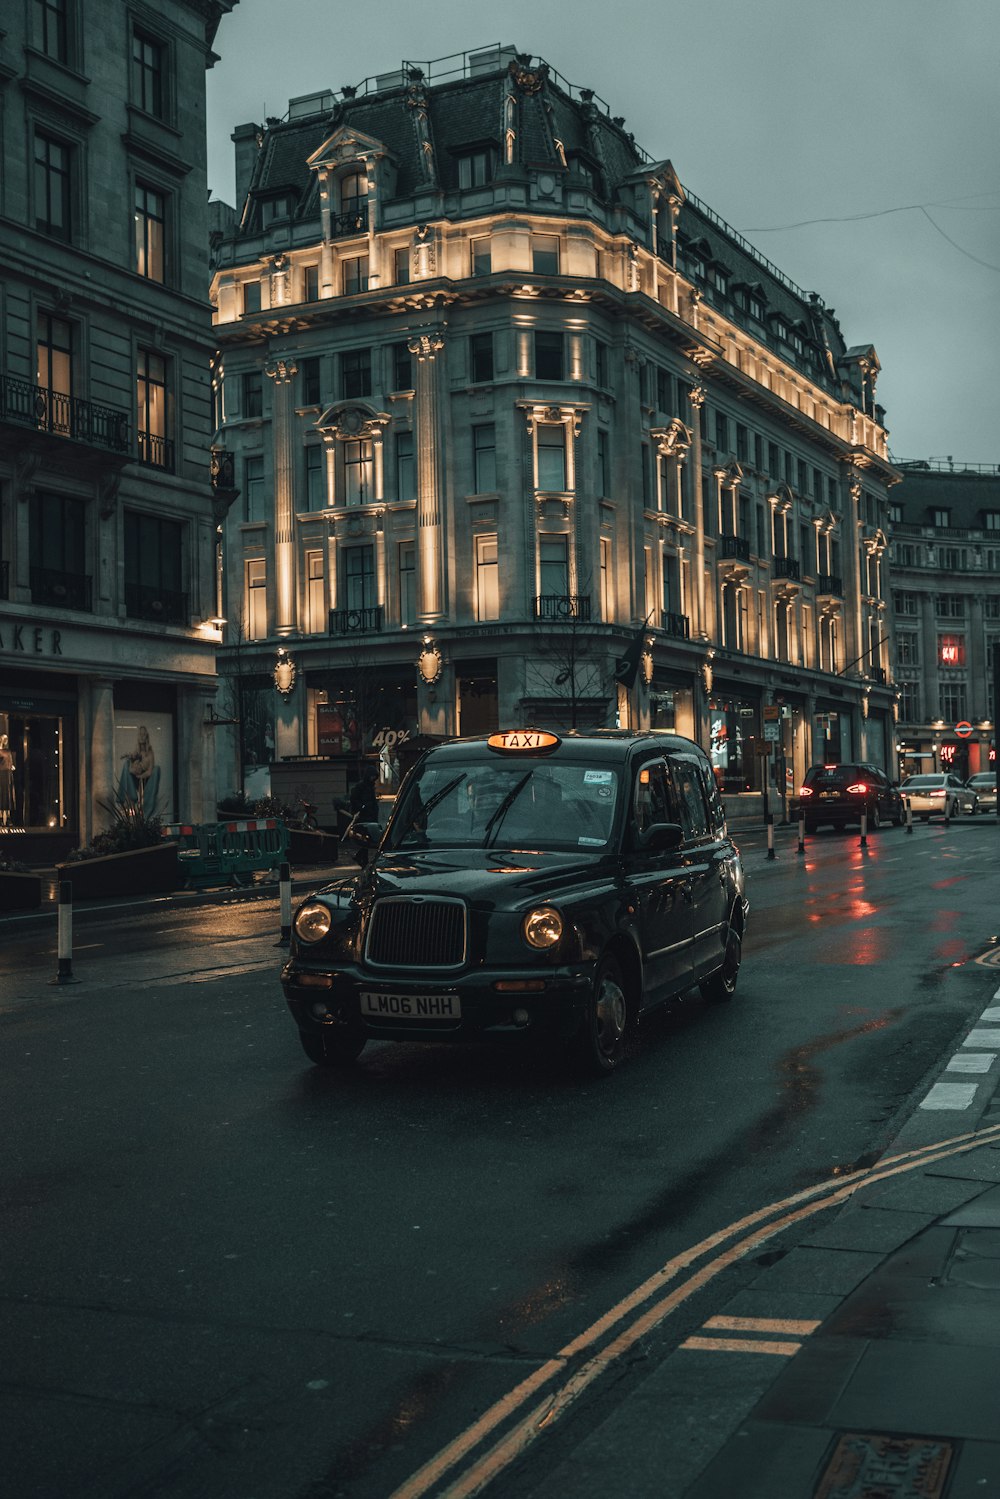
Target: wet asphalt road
<point x="223" y="1273"/>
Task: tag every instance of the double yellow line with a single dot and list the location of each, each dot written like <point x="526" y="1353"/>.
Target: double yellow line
<point x="525" y="1413"/>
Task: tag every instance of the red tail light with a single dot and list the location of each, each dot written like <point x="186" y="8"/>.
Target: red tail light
<point x="805" y="791"/>
<point x="859" y="787"/>
<point x="937" y="791"/>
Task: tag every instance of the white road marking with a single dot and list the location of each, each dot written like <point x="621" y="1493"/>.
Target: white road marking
<point x="992" y="1014"/>
<point x="742" y="1345"/>
<point x="950" y="1096"/>
<point x="981" y="1038"/>
<point x="972" y="1061"/>
<point x="785" y="1325"/>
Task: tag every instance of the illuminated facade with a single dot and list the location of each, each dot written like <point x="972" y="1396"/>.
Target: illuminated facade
<point x="498" y="391"/>
<point x="945" y="524"/>
<point x="106" y="503"/>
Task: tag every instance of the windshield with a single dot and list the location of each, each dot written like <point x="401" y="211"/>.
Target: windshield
<point x="915" y="782"/>
<point x="513" y="804"/>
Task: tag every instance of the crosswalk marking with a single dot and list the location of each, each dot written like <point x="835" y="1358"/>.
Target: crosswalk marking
<point x="743" y="1345"/>
<point x="795" y="1328"/>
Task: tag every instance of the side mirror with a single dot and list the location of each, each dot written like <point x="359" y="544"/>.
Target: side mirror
<point x="661" y="838"/>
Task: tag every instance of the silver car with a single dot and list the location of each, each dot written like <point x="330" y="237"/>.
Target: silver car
<point x="940" y="794"/>
<point x="985" y="786"/>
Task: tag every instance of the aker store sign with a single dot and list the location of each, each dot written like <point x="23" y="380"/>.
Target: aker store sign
<point x="29" y="640"/>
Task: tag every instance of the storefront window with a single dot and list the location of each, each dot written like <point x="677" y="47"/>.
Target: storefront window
<point x="735" y="731"/>
<point x="32" y="773"/>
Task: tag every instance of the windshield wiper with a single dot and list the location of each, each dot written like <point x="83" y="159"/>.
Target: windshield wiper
<point x="504" y="807"/>
<point x="426" y="807"/>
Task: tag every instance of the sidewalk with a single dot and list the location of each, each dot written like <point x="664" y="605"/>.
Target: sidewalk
<point x="862" y="1363"/>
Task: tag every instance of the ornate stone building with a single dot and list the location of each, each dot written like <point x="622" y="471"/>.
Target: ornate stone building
<point x="107" y="579"/>
<point x="946" y="606"/>
<point x="499" y="393"/>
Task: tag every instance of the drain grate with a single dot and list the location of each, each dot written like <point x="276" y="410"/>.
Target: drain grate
<point x="866" y="1465"/>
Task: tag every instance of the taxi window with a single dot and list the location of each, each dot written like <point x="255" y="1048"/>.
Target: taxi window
<point x="690" y="797"/>
<point x="653" y="799"/>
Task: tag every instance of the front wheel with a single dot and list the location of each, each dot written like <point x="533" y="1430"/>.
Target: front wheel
<point x="338" y="1048"/>
<point x="601" y="1041"/>
<point x="721" y="985"/>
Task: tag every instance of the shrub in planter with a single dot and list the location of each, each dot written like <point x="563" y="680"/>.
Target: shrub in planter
<point x="128" y="857"/>
<point x="20" y="888"/>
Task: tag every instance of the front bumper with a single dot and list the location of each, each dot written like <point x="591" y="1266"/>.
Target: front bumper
<point x="320" y="998"/>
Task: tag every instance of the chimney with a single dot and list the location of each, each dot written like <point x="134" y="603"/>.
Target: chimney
<point x="247" y="139"/>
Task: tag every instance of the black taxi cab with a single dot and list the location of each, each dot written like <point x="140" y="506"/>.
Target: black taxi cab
<point x="561" y="884"/>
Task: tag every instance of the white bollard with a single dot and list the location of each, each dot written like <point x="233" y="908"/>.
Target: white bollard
<point x="864" y="827"/>
<point x="64" y="942"/>
<point x="909" y="816"/>
<point x="770" y="835"/>
<point x="285" y="885"/>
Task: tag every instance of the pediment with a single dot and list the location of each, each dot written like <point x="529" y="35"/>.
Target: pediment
<point x="345" y="145"/>
<point x="350" y="420"/>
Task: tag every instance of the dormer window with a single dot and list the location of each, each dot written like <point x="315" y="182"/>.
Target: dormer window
<point x="586" y="172"/>
<point x="718" y="279"/>
<point x="274" y="209"/>
<point x="941" y="517"/>
<point x="752" y="302"/>
<point x="475" y="168"/>
<point x="353" y="192"/>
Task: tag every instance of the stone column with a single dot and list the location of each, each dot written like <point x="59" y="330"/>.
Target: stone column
<point x="196" y="789"/>
<point x="430" y="528"/>
<point x="282" y="372"/>
<point x="856" y="583"/>
<point x="696" y="397"/>
<point x="102" y="773"/>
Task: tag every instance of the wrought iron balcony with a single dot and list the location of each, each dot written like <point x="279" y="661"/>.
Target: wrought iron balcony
<point x="355" y="221"/>
<point x="677" y="625"/>
<point x="558" y="606"/>
<point x="356" y="621"/>
<point x="33" y="406"/>
<point x="735" y="546"/>
<point x="163" y="604"/>
<point x="830" y="583"/>
<point x="156" y="451"/>
<point x="786" y="567"/>
<point x="61" y="590"/>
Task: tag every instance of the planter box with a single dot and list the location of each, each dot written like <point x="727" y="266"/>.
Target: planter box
<point x="140" y="871"/>
<point x="19" y="892"/>
<point x="308" y="847"/>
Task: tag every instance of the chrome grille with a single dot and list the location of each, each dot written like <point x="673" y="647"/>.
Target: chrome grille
<point x="411" y="932"/>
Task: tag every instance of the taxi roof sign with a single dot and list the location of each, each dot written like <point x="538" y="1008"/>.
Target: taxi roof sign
<point x="523" y="741"/>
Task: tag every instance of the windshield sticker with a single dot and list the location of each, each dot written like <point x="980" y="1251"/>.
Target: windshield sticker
<point x="591" y="842"/>
<point x="597" y="777"/>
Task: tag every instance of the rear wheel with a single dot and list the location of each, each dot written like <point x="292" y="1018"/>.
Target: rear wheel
<point x="338" y="1048"/>
<point x="601" y="1040"/>
<point x="721" y="985"/>
<point x="956" y="809"/>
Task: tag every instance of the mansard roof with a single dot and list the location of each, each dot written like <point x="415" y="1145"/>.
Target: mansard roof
<point x="550" y="124"/>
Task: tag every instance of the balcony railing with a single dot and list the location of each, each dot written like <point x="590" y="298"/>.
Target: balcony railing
<point x="830" y="583"/>
<point x="163" y="604"/>
<point x="156" y="451"/>
<point x="877" y="674"/>
<point x="44" y="410"/>
<point x="786" y="567"/>
<point x="558" y="606"/>
<point x="356" y="621"/>
<point x="735" y="546"/>
<point x="677" y="625"/>
<point x="353" y="222"/>
<point x="61" y="590"/>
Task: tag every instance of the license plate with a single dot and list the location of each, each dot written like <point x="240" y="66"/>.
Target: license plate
<point x="379" y="1005"/>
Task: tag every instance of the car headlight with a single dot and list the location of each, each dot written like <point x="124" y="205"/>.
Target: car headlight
<point x="312" y="922"/>
<point x="542" y="928"/>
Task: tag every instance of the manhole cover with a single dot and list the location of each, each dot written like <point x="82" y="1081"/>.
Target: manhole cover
<point x="868" y="1466"/>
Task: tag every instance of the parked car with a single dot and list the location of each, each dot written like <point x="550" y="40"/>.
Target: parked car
<point x="835" y="795"/>
<point x="938" y="794"/>
<point x="526" y="882"/>
<point x="985" y="787"/>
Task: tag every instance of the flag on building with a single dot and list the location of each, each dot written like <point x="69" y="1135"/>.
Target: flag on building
<point x="627" y="665"/>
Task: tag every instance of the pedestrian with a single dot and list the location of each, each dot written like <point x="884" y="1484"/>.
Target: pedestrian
<point x="363" y="800"/>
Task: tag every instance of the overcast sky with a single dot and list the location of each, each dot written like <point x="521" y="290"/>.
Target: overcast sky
<point x="853" y="142"/>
